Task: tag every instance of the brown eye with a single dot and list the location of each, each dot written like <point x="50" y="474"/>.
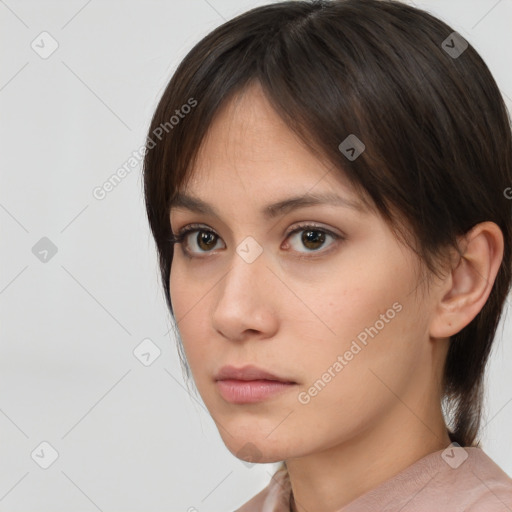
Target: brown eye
<point x="206" y="240"/>
<point x="313" y="239"/>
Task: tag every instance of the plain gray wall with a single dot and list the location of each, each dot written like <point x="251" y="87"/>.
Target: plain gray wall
<point x="128" y="436"/>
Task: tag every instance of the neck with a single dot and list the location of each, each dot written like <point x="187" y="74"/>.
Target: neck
<point x="328" y="480"/>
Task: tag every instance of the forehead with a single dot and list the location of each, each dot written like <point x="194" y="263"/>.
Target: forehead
<point x="249" y="146"/>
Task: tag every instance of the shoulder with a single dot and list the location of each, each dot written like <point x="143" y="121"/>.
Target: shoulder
<point x="464" y="479"/>
<point x="467" y="479"/>
<point x="452" y="479"/>
<point x="488" y="488"/>
<point x="273" y="498"/>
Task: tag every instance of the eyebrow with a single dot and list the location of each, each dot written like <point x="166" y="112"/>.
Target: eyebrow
<point x="270" y="211"/>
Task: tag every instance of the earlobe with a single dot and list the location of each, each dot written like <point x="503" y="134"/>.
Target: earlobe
<point x="468" y="285"/>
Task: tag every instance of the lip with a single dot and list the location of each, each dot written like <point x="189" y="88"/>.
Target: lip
<point x="248" y="372"/>
<point x="249" y="384"/>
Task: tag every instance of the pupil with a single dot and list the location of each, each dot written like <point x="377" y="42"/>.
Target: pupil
<point x="309" y="238"/>
<point x="206" y="238"/>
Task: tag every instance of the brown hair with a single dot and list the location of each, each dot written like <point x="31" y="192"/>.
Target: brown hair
<point x="437" y="135"/>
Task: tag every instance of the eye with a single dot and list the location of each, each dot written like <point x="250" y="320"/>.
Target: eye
<point x="311" y="237"/>
<point x="205" y="239"/>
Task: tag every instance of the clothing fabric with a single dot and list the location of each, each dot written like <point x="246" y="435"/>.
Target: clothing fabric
<point x="455" y="479"/>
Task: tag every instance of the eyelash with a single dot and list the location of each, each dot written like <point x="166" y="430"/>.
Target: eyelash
<point x="191" y="228"/>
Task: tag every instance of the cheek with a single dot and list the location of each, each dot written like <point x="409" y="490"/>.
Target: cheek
<point x="190" y="298"/>
<point x="186" y="290"/>
<point x="375" y="352"/>
<point x="351" y="393"/>
<point x="187" y="307"/>
<point x="352" y="295"/>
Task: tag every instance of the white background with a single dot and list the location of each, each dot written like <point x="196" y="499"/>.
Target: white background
<point x="129" y="437"/>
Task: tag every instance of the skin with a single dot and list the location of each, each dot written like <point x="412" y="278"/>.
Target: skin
<point x="293" y="316"/>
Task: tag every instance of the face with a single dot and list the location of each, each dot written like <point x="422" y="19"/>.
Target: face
<point x="321" y="296"/>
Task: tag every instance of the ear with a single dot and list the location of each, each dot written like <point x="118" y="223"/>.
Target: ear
<point x="466" y="288"/>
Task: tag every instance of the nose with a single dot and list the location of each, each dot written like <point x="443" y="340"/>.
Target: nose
<point x="246" y="300"/>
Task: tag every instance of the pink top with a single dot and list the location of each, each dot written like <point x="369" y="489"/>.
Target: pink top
<point x="455" y="479"/>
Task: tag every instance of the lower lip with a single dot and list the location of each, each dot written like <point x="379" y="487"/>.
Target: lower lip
<point x="250" y="391"/>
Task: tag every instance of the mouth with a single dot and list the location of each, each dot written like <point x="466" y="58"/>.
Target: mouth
<point x="251" y="391"/>
<point x="250" y="384"/>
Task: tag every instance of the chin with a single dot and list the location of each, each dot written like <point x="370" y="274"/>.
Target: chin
<point x="256" y="453"/>
<point x="253" y="446"/>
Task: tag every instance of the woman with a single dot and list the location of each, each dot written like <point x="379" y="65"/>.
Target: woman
<point x="329" y="183"/>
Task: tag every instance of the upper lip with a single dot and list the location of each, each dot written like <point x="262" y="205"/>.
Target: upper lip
<point x="248" y="372"/>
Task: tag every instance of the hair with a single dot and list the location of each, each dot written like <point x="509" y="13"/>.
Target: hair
<point x="437" y="136"/>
